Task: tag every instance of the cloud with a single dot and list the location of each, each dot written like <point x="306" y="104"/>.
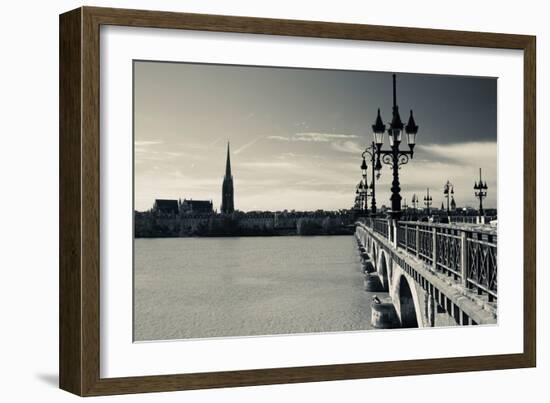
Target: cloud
<point x="302" y="199"/>
<point x="322" y="137"/>
<point x="284" y="156"/>
<point x="245" y="146"/>
<point x="144" y="154"/>
<point x="293" y="155"/>
<point x="347" y="146"/>
<point x="314" y="137"/>
<point x="465" y="153"/>
<point x="457" y="162"/>
<point x="279" y="138"/>
<point x="267" y="164"/>
<point x="173" y="154"/>
<point x="271" y="178"/>
<point x="144" y="143"/>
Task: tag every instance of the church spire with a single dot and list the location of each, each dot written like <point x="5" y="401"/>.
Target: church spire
<point x="228" y="163"/>
<point x="228" y="205"/>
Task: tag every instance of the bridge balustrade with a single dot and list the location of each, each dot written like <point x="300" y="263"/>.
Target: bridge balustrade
<point x="381" y="226"/>
<point x="482" y="263"/>
<point x="471" y="219"/>
<point x="469" y="255"/>
<point x="463" y="219"/>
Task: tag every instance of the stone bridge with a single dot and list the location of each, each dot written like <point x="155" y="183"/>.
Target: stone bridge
<point x="435" y="274"/>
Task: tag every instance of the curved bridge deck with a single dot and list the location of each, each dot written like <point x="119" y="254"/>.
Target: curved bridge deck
<point x="436" y="274"/>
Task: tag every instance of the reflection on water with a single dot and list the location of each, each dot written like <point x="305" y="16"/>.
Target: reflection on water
<point x="217" y="287"/>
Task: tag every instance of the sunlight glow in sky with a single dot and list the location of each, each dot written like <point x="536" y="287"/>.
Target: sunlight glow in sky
<point x="297" y="134"/>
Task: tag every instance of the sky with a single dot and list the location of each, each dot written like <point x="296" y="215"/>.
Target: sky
<point x="296" y="135"/>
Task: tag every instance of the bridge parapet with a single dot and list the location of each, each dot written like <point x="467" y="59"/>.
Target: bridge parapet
<point x="471" y="219"/>
<point x="466" y="253"/>
<point x="456" y="265"/>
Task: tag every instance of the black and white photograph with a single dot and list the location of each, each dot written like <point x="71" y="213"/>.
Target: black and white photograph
<point x="245" y="201"/>
<point x="277" y="201"/>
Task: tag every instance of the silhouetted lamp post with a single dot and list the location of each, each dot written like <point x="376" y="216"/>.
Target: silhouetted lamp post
<point x="394" y="156"/>
<point x="480" y="192"/>
<point x="363" y="191"/>
<point x="448" y="191"/>
<point x="415" y="201"/>
<point x="371" y="152"/>
<point x="428" y="200"/>
<point x="361" y="195"/>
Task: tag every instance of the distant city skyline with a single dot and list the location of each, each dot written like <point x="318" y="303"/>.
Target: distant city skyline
<point x="297" y="134"/>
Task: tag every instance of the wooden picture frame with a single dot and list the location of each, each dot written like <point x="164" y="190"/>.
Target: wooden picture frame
<point x="79" y="346"/>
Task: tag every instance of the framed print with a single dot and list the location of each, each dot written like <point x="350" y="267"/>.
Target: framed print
<point x="249" y="201"/>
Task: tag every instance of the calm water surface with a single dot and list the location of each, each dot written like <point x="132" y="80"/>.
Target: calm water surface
<point x="219" y="287"/>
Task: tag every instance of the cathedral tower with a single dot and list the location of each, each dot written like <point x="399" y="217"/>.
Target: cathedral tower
<point x="227" y="188"/>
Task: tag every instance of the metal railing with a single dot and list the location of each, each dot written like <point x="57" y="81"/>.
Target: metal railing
<point x="471" y="219"/>
<point x="464" y="219"/>
<point x="469" y="255"/>
<point x="482" y="263"/>
<point x="381" y="226"/>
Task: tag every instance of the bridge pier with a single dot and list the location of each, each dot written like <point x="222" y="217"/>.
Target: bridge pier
<point x="368" y="266"/>
<point x="384" y="316"/>
<point x="372" y="283"/>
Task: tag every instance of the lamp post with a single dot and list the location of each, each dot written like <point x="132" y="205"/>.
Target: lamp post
<point x="363" y="187"/>
<point x="361" y="196"/>
<point x="371" y="152"/>
<point x="480" y="192"/>
<point x="448" y="192"/>
<point x="428" y="200"/>
<point x="357" y="204"/>
<point x="415" y="202"/>
<point x="394" y="156"/>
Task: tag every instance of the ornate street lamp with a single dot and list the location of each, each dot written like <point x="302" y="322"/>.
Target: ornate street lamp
<point x="394" y="156"/>
<point x="480" y="192"/>
<point x="371" y="152"/>
<point x="361" y="195"/>
<point x="363" y="187"/>
<point x="448" y="192"/>
<point x="414" y="202"/>
<point x="428" y="200"/>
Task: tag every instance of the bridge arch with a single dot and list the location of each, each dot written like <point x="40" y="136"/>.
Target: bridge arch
<point x="371" y="246"/>
<point x="409" y="282"/>
<point x="408" y="309"/>
<point x="382" y="269"/>
<point x="389" y="262"/>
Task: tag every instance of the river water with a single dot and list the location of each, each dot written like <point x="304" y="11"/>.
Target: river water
<point x="220" y="287"/>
